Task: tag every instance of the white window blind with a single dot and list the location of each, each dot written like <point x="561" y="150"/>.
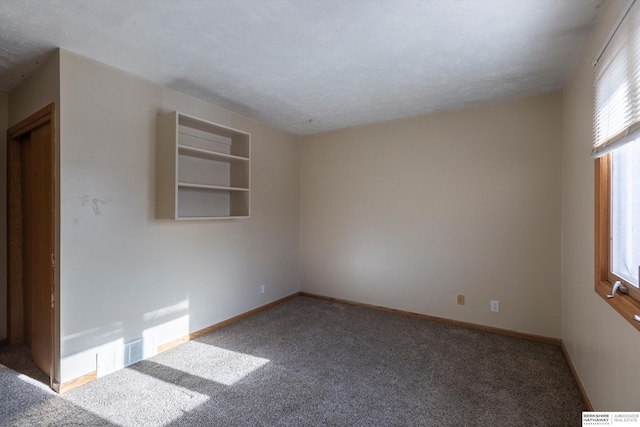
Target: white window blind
<point x="617" y="87"/>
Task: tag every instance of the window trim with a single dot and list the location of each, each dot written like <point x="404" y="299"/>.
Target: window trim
<point x="625" y="305"/>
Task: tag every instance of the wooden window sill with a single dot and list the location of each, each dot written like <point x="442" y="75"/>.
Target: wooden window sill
<point x="623" y="304"/>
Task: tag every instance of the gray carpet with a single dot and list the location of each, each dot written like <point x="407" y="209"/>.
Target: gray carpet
<point x="310" y="362"/>
<point x="18" y="358"/>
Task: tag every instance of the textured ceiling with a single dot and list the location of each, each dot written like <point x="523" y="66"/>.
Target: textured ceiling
<point x="312" y="65"/>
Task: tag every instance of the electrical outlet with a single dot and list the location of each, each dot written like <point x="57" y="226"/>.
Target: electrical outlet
<point x="495" y="306"/>
<point x="262" y="287"/>
<point x="460" y="299"/>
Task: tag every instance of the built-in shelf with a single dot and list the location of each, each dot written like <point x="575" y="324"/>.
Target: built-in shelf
<point x="203" y="169"/>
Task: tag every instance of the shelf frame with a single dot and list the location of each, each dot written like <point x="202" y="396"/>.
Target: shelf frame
<point x="235" y="146"/>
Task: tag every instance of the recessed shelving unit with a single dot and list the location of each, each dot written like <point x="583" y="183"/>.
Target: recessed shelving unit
<point x="203" y="169"/>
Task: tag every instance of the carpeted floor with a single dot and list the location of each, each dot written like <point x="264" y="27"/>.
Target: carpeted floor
<point x="18" y="358"/>
<point x="310" y="362"/>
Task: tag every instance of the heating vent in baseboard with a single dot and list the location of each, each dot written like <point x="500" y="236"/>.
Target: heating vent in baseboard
<point x="132" y="352"/>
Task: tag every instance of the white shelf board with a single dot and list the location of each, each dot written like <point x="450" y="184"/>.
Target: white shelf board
<point x="210" y="187"/>
<point x="193" y="218"/>
<point x="185" y="150"/>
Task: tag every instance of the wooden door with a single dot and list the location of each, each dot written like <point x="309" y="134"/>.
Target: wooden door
<point x="31" y="218"/>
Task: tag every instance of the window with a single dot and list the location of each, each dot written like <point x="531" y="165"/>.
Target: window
<point x="625" y="213"/>
<point x="616" y="148"/>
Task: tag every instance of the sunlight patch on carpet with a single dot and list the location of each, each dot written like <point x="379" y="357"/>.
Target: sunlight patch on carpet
<point x="35" y="383"/>
<point x="158" y="402"/>
<point x="217" y="364"/>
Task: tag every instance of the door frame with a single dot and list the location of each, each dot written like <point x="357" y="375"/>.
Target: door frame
<point x="15" y="290"/>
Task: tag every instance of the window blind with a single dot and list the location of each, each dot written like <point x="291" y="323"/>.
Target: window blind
<point x="617" y="87"/>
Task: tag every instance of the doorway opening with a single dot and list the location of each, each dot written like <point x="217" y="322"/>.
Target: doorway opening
<point x="31" y="229"/>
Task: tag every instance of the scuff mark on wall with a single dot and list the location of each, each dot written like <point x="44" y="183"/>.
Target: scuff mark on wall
<point x="95" y="203"/>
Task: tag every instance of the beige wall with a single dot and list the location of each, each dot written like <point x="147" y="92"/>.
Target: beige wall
<point x="407" y="214"/>
<point x="4" y="120"/>
<point x="126" y="275"/>
<point x="36" y="91"/>
<point x="603" y="346"/>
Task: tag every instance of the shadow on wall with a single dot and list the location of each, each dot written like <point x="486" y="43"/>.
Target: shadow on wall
<point x="127" y="323"/>
<point x="160" y="326"/>
<point x="119" y="344"/>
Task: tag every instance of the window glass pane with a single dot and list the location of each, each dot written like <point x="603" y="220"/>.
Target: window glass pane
<point x="625" y="212"/>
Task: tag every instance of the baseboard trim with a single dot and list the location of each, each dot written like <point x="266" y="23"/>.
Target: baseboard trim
<point x="201" y="332"/>
<point x="500" y="331"/>
<point x="583" y="392"/>
<point x="70" y="385"/>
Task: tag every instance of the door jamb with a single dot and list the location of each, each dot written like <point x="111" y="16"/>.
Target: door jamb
<point x="15" y="295"/>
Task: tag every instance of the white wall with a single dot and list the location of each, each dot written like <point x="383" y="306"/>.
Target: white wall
<point x="126" y="275"/>
<point x="409" y="213"/>
<point x="4" y="120"/>
<point x="603" y="346"/>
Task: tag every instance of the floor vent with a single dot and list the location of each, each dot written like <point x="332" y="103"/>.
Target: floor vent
<point x="132" y="352"/>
